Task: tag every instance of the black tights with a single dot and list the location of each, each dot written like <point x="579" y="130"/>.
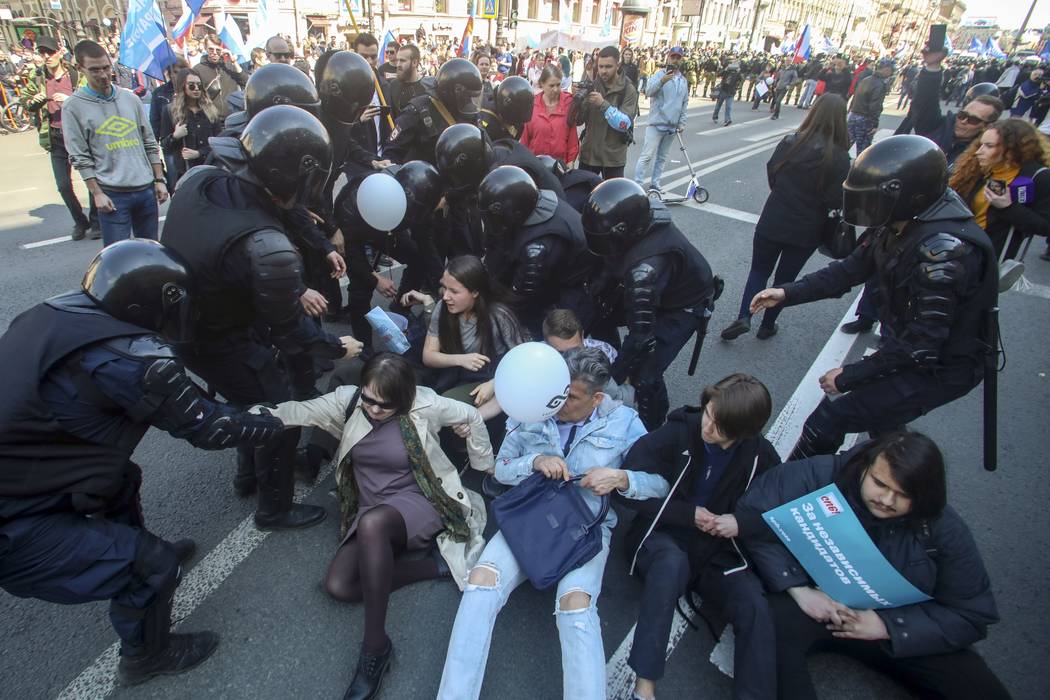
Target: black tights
<point x="364" y="569"/>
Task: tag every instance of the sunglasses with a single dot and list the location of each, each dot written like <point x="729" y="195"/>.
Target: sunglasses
<point x="46" y="53"/>
<point x="969" y="118"/>
<point x="193" y="86"/>
<point x="369" y="401"/>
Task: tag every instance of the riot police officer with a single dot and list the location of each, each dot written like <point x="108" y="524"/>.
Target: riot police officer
<point x="535" y="246"/>
<point x="508" y="151"/>
<point x="249" y="278"/>
<point x="464" y="156"/>
<point x="576" y="183"/>
<point x="937" y="280"/>
<point x="457" y="100"/>
<point x="85" y="375"/>
<point x="511" y="109"/>
<point x="654" y="281"/>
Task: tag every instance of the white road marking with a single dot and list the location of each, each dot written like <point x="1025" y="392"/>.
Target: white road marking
<point x="24" y="189"/>
<point x="728" y="212"/>
<point x="691" y="113"/>
<point x="716" y="130"/>
<point x="98" y="679"/>
<point x="783" y="434"/>
<point x="741" y="153"/>
<point x="49" y="241"/>
<point x="779" y="131"/>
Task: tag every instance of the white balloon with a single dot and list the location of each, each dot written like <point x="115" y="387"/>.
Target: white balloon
<point x="381" y="201"/>
<point x="532" y="382"/>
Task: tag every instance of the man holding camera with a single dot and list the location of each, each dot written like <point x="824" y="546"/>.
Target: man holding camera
<point x="668" y="93"/>
<point x="607" y="108"/>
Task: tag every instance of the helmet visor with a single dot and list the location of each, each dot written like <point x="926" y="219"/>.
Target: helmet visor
<point x="604" y="244"/>
<point x="179" y="319"/>
<point x="868" y="207"/>
<point x="468" y="102"/>
<point x="311" y="183"/>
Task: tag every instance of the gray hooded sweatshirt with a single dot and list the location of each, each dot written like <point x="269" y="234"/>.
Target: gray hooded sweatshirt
<point x="110" y="139"/>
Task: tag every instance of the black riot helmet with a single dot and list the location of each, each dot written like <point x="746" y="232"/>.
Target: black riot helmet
<point x="279" y="84"/>
<point x="555" y="165"/>
<point x="463" y="155"/>
<point x="515" y="100"/>
<point x="141" y="282"/>
<point x="289" y="152"/>
<point x="979" y="90"/>
<point x="423" y="186"/>
<point x="615" y="216"/>
<point x="507" y="196"/>
<point x="346" y="85"/>
<point x="894" y="180"/>
<point x="459" y="87"/>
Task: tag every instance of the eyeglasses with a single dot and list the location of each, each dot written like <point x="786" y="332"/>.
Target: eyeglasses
<point x="970" y="118"/>
<point x="369" y="401"/>
<point x="193" y="86"/>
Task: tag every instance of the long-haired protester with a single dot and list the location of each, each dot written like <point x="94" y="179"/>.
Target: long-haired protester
<point x="188" y="122"/>
<point x="805" y="182"/>
<point x="1004" y="178"/>
<point x="398" y="492"/>
<point x="549" y="132"/>
<point x="686" y="540"/>
<point x="896" y="486"/>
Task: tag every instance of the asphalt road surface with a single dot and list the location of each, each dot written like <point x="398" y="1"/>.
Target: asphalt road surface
<point x="282" y="637"/>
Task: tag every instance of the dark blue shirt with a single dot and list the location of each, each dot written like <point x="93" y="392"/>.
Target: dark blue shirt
<point x="716" y="460"/>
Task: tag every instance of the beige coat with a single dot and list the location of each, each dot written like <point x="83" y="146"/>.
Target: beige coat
<point x="430" y="412"/>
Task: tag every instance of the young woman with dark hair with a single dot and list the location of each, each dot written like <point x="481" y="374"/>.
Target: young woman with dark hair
<point x="895" y="485"/>
<point x="470" y="330"/>
<point x="709" y="454"/>
<point x="805" y="181"/>
<point x="188" y="122"/>
<point x="398" y="492"/>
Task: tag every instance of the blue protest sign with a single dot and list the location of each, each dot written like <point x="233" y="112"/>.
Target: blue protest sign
<point x="825" y="536"/>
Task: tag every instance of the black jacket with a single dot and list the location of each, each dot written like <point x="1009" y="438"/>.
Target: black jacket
<point x="868" y="97"/>
<point x="795" y="211"/>
<point x="675" y="451"/>
<point x="925" y="117"/>
<point x="837" y="83"/>
<point x="938" y="556"/>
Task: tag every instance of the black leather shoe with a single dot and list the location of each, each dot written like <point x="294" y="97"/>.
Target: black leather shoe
<point x="94" y="232"/>
<point x="736" y="329"/>
<point x="183" y="652"/>
<point x="368" y="679"/>
<point x="184" y="549"/>
<point x="297" y="518"/>
<point x="858" y="325"/>
<point x="765" y="332"/>
<point x="79" y="231"/>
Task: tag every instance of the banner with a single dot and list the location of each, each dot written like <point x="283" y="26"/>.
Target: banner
<point x="631" y="30"/>
<point x="144" y="41"/>
<point x="825" y="536"/>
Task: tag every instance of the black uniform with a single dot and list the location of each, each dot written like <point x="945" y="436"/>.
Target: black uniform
<point x="577" y="184"/>
<point x="659" y="288"/>
<point x="417" y="129"/>
<point x="399" y="94"/>
<point x="545" y="263"/>
<point x="81" y="389"/>
<point x="509" y="151"/>
<point x="250" y="279"/>
<point x="936" y="282"/>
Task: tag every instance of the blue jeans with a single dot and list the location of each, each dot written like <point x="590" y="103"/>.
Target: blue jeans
<point x="580" y="632"/>
<point x="808" y="90"/>
<point x="654" y="155"/>
<point x="728" y="100"/>
<point x="135" y="213"/>
<point x="765" y="255"/>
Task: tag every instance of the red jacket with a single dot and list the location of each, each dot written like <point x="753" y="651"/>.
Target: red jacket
<point x="550" y="134"/>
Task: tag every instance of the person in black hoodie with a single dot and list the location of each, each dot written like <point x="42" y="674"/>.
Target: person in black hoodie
<point x="896" y="487"/>
<point x="789" y="229"/>
<point x="685" y="541"/>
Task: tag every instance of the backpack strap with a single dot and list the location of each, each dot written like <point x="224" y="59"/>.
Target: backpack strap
<point x="352" y="405"/>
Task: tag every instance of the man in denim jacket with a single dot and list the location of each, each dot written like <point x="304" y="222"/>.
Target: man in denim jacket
<point x="591" y="436"/>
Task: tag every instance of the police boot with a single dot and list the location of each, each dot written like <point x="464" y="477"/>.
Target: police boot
<point x="368" y="679"/>
<point x="244" y="483"/>
<point x="308" y="461"/>
<point x="276" y="511"/>
<point x="163" y="653"/>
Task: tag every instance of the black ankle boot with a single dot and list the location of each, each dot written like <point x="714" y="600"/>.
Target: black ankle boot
<point x="184" y="549"/>
<point x="182" y="652"/>
<point x="368" y="678"/>
<point x="861" y="324"/>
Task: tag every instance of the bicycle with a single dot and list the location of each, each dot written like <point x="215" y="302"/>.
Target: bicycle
<point x="13" y="115"/>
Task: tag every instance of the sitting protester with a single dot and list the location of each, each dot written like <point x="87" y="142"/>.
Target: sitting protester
<point x="896" y="487"/>
<point x="563" y="331"/>
<point x="687" y="540"/>
<point x="398" y="492"/>
<point x="590" y="437"/>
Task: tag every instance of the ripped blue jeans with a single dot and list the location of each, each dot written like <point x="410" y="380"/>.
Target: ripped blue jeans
<point x="579" y="630"/>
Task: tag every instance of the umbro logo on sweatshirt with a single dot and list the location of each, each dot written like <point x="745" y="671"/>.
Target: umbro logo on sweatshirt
<point x="116" y="126"/>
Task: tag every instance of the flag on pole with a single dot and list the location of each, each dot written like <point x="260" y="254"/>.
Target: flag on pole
<point x="190" y="10"/>
<point x="975" y="46"/>
<point x="261" y="25"/>
<point x="388" y="39"/>
<point x="802" y="46"/>
<point x="231" y="37"/>
<point x="464" y="44"/>
<point x="991" y="48"/>
<point x="144" y="41"/>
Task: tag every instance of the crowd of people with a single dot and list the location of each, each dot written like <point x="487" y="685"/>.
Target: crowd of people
<point x="513" y="227"/>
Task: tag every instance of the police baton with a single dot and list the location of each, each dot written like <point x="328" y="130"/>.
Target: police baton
<point x="991" y="385"/>
<point x="701" y="328"/>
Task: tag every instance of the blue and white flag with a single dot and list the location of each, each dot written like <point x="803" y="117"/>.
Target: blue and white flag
<point x="388" y="39"/>
<point x="991" y="48"/>
<point x="975" y="46"/>
<point x="261" y="26"/>
<point x="144" y="41"/>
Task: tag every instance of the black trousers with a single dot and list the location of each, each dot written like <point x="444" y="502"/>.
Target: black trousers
<point x="961" y="675"/>
<point x="880" y="407"/>
<point x="63" y="180"/>
<point x="607" y="172"/>
<point x="672" y="329"/>
<point x="246" y="372"/>
<point x="664" y="565"/>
